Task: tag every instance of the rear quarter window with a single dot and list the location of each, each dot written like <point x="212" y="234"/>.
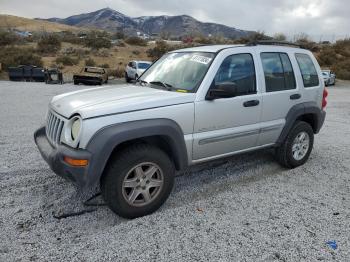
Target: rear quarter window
<point x="308" y="70"/>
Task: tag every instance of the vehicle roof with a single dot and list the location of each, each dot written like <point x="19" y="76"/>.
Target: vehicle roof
<point x="207" y="48"/>
<point x="217" y="48"/>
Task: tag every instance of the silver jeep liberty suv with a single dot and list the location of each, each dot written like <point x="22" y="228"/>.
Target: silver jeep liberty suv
<point x="191" y="106"/>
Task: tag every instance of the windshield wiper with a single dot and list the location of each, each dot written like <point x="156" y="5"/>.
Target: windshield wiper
<point x="141" y="81"/>
<point x="163" y="84"/>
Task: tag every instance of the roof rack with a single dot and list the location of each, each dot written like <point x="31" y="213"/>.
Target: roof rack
<point x="272" y="42"/>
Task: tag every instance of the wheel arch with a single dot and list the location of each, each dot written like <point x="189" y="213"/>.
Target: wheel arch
<point x="308" y="112"/>
<point x="163" y="133"/>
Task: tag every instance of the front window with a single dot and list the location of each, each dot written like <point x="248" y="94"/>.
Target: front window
<point x="181" y="71"/>
<point x="143" y="65"/>
<point x="239" y="70"/>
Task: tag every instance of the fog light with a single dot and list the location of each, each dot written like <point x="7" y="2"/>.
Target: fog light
<point x="76" y="162"/>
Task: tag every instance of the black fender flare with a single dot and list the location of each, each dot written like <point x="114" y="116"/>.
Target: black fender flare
<point x="299" y="110"/>
<point x="102" y="144"/>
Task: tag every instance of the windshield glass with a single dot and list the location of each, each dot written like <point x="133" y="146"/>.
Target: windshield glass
<point x="94" y="70"/>
<point x="181" y="71"/>
<point x="143" y="65"/>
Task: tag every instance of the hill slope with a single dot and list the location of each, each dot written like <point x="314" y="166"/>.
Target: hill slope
<point x="111" y="20"/>
<point x="26" y="24"/>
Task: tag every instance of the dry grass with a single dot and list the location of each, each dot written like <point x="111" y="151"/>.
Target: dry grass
<point x="117" y="57"/>
<point x="26" y="24"/>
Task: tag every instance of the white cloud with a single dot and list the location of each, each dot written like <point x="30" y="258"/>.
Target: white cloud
<point x="314" y="17"/>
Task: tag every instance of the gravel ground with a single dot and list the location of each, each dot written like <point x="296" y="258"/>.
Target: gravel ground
<point x="245" y="208"/>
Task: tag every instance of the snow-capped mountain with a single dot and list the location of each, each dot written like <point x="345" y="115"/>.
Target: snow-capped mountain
<point x="175" y="26"/>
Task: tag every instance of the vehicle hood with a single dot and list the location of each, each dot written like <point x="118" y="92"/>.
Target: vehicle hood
<point x="107" y="100"/>
<point x="140" y="71"/>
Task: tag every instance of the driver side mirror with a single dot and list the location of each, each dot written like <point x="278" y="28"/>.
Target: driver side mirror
<point x="222" y="90"/>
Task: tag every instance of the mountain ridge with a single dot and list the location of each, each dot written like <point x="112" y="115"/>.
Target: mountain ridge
<point x="174" y="26"/>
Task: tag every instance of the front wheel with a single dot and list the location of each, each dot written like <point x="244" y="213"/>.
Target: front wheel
<point x="137" y="181"/>
<point x="297" y="147"/>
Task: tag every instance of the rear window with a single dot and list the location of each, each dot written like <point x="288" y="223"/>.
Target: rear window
<point x="278" y="72"/>
<point x="308" y="70"/>
<point x="143" y="65"/>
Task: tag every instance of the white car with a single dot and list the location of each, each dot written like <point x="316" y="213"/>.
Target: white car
<point x="191" y="106"/>
<point x="328" y="77"/>
<point x="135" y="69"/>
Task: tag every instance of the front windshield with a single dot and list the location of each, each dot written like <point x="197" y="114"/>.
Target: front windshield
<point x="94" y="70"/>
<point x="143" y="65"/>
<point x="181" y="71"/>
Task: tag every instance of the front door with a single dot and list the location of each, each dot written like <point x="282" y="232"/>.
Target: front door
<point x="227" y="125"/>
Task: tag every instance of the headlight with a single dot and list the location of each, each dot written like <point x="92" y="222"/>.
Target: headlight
<point x="76" y="126"/>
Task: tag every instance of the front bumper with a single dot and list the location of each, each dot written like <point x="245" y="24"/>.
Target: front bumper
<point x="54" y="157"/>
<point x="87" y="80"/>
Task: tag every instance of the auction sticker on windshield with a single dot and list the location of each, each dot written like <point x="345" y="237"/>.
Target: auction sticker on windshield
<point x="201" y="59"/>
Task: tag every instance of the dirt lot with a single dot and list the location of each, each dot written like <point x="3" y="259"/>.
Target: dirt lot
<point x="245" y="208"/>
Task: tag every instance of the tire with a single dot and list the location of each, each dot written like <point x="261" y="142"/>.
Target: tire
<point x="127" y="79"/>
<point x="126" y="166"/>
<point x="76" y="82"/>
<point x="284" y="153"/>
<point x="106" y="82"/>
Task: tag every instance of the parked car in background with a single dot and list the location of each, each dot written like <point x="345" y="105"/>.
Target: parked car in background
<point x="91" y="76"/>
<point x="328" y="77"/>
<point x="135" y="69"/>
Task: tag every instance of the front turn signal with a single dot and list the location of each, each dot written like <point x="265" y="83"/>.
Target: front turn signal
<point x="76" y="162"/>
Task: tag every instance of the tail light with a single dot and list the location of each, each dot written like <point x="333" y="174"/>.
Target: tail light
<point x="324" y="100"/>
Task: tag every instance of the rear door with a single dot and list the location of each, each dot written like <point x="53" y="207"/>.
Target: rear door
<point x="281" y="93"/>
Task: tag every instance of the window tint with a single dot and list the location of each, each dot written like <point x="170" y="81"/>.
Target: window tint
<point x="289" y="77"/>
<point x="278" y="72"/>
<point x="308" y="70"/>
<point x="239" y="70"/>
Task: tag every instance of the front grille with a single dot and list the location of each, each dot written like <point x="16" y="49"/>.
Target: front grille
<point x="54" y="126"/>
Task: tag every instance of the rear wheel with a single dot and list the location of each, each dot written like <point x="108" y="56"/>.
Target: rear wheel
<point x="297" y="147"/>
<point x="76" y="82"/>
<point x="138" y="181"/>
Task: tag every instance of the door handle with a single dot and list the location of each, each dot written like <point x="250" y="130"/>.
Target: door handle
<point x="251" y="103"/>
<point x="295" y="96"/>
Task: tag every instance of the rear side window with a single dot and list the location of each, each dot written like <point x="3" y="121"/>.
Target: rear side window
<point x="278" y="72"/>
<point x="308" y="70"/>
